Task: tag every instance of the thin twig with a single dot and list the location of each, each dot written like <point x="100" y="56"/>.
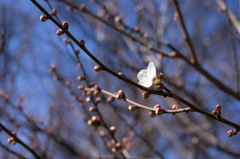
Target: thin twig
<point x="185" y="33"/>
<point x="19" y="141"/>
<point x="233" y="51"/>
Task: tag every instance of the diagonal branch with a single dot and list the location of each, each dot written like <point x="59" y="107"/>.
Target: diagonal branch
<point x="193" y="59"/>
<point x="230" y="14"/>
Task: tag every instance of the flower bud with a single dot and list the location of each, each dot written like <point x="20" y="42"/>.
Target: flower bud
<point x="82" y="7"/>
<point x="89" y="99"/>
<point x="77" y="52"/>
<point x="80" y="78"/>
<point x="218" y="107"/>
<point x="160" y="75"/>
<point x="159" y="111"/>
<point x="66" y="41"/>
<point x="152" y="114"/>
<point x="92" y="109"/>
<point x="175" y="107"/>
<point x="91" y="84"/>
<point x="112" y="129"/>
<point x="59" y="32"/>
<point x="110" y="99"/>
<point x="145" y="95"/>
<point x="230" y="133"/>
<point x="156" y="106"/>
<point x="132" y="107"/>
<point x="98" y="100"/>
<point x="82" y="43"/>
<point x="67" y="83"/>
<point x="53" y="68"/>
<point x="65" y="25"/>
<point x="97" y="68"/>
<point x="97" y="88"/>
<point x="159" y="87"/>
<point x="43" y="18"/>
<point x="80" y="87"/>
<point x="96" y="93"/>
<point x="214" y="112"/>
<point x="90" y="122"/>
<point x="53" y="12"/>
<point x="156" y="80"/>
<point x="120" y="95"/>
<point x="121" y="74"/>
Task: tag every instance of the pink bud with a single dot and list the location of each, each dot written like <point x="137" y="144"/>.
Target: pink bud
<point x="110" y="99"/>
<point x="98" y="100"/>
<point x="65" y="25"/>
<point x="214" y="112"/>
<point x="230" y="133"/>
<point x="145" y="95"/>
<point x="43" y="18"/>
<point x="97" y="68"/>
<point x="82" y="7"/>
<point x="112" y="129"/>
<point x="91" y="84"/>
<point x="152" y="114"/>
<point x="80" y="87"/>
<point x="67" y="83"/>
<point x="218" y="107"/>
<point x="77" y="52"/>
<point x="120" y="95"/>
<point x="82" y="43"/>
<point x="53" y="68"/>
<point x="159" y="87"/>
<point x="92" y="109"/>
<point x="97" y="88"/>
<point x="59" y="32"/>
<point x="132" y="107"/>
<point x="156" y="80"/>
<point x="157" y="106"/>
<point x="160" y="75"/>
<point x="53" y="12"/>
<point x="121" y="74"/>
<point x="89" y="99"/>
<point x="66" y="41"/>
<point x="175" y="107"/>
<point x="159" y="111"/>
<point x="80" y="78"/>
<point x="96" y="93"/>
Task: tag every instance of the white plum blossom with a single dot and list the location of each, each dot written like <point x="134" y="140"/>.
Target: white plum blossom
<point x="145" y="76"/>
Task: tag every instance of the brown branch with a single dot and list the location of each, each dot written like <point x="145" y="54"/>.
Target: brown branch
<point x="19" y="141"/>
<point x="198" y="67"/>
<point x="12" y="152"/>
<point x="230" y="14"/>
<point x="193" y="58"/>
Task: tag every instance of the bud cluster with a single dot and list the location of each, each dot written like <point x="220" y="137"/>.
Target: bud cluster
<point x="217" y="111"/>
<point x="157" y="80"/>
<point x="94" y="121"/>
<point x="120" y="95"/>
<point x="11" y="140"/>
<point x="158" y="109"/>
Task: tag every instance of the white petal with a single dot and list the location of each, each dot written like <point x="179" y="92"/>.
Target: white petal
<point x="142" y="74"/>
<point x="146" y="83"/>
<point x="151" y="70"/>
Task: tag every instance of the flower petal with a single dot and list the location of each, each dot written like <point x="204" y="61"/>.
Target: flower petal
<point x="142" y="74"/>
<point x="145" y="83"/>
<point x="151" y="70"/>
